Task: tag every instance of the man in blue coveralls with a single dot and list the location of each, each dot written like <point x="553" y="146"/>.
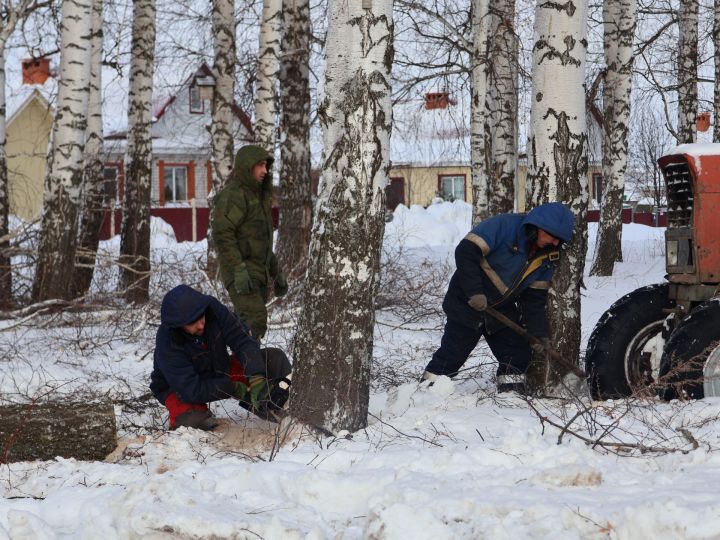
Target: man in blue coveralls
<point x="507" y="262"/>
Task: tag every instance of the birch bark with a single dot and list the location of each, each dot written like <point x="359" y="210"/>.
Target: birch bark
<point x="135" y="231"/>
<point x="334" y="343"/>
<point x="221" y="129"/>
<point x="503" y="104"/>
<point x="63" y="179"/>
<point x="687" y="70"/>
<point x="480" y="146"/>
<point x="94" y="201"/>
<point x="267" y="76"/>
<point x="619" y="32"/>
<point x="295" y="182"/>
<point x="557" y="151"/>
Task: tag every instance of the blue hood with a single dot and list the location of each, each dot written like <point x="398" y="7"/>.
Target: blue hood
<point x="555" y="218"/>
<point x="183" y="305"/>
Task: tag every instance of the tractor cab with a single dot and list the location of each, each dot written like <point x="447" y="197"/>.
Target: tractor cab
<point x="663" y="338"/>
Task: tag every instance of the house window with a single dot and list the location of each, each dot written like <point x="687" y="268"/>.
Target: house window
<point x="597" y="181"/>
<point x="197" y="105"/>
<point x="110" y="182"/>
<point x="175" y="183"/>
<point x="452" y="188"/>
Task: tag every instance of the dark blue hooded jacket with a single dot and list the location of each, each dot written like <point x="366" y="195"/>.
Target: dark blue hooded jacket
<point x="496" y="259"/>
<point x="197" y="367"/>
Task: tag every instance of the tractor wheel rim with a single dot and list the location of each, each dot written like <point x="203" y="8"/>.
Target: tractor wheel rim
<point x="640" y="370"/>
<point x="711" y="373"/>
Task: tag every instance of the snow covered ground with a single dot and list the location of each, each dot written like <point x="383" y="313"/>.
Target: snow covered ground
<point x="454" y="460"/>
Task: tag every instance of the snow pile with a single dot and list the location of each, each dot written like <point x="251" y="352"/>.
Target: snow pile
<point x="455" y="460"/>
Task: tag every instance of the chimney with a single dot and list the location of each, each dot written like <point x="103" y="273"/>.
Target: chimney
<point x="35" y="70"/>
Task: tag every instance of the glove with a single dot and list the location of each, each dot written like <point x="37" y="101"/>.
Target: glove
<point x="541" y="346"/>
<point x="281" y="284"/>
<point x="260" y="396"/>
<point x="242" y="281"/>
<point x="478" y="302"/>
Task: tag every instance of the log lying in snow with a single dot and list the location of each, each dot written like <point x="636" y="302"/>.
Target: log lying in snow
<point x="46" y="430"/>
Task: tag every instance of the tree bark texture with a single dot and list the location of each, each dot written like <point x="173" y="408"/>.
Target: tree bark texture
<point x="63" y="179"/>
<point x="558" y="152"/>
<point x="94" y="200"/>
<point x="503" y="105"/>
<point x="334" y="343"/>
<point x="619" y="32"/>
<point x="480" y="146"/>
<point x="135" y="231"/>
<point x="6" y="299"/>
<point x="267" y="76"/>
<point x="43" y="431"/>
<point x="221" y="129"/>
<point x="295" y="182"/>
<point x="687" y="70"/>
<point x="716" y="93"/>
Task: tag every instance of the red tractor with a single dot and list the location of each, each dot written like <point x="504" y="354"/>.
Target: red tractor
<point x="665" y="336"/>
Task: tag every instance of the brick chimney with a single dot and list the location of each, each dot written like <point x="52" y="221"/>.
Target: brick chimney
<point x="35" y="70"/>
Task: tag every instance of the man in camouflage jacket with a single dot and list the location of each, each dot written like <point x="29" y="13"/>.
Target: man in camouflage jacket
<point x="243" y="233"/>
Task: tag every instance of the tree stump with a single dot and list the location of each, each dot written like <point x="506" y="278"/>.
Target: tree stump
<point x="42" y="431"/>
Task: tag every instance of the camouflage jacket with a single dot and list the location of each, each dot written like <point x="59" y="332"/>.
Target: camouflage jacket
<point x="242" y="221"/>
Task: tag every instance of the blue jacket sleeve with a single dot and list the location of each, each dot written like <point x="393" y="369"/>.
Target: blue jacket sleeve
<point x="237" y="336"/>
<point x="467" y="261"/>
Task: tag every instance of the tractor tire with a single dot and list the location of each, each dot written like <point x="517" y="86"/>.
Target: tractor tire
<point x="625" y="347"/>
<point x="690" y="365"/>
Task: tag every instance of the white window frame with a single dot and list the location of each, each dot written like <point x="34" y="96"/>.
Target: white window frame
<point x="197" y="104"/>
<point x="455" y="190"/>
<point x="170" y="180"/>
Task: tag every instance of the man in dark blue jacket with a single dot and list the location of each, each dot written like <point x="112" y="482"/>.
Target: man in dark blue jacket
<point x="507" y="262"/>
<point x="192" y="367"/>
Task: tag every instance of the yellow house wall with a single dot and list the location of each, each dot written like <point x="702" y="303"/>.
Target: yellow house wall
<point x="27" y="143"/>
<point x="421" y="183"/>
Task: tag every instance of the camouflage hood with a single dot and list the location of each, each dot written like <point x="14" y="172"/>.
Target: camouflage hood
<point x="245" y="159"/>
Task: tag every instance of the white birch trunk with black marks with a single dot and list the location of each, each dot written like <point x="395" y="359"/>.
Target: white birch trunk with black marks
<point x="687" y="71"/>
<point x="503" y="103"/>
<point x="480" y="146"/>
<point x="221" y="129"/>
<point x="6" y="299"/>
<point x="557" y="151"/>
<point x="716" y="93"/>
<point x="223" y="150"/>
<point x="63" y="179"/>
<point x="619" y="31"/>
<point x="267" y="75"/>
<point x="295" y="182"/>
<point x="135" y="231"/>
<point x="334" y="343"/>
<point x="94" y="200"/>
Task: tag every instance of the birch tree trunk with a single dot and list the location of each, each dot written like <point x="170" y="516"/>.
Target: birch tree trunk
<point x="135" y="232"/>
<point x="94" y="200"/>
<point x="267" y="76"/>
<point x="221" y="130"/>
<point x="687" y="70"/>
<point x="334" y="343"/>
<point x="558" y="151"/>
<point x="480" y="146"/>
<point x="716" y="94"/>
<point x="6" y="299"/>
<point x="503" y="104"/>
<point x="619" y="32"/>
<point x="63" y="179"/>
<point x="295" y="182"/>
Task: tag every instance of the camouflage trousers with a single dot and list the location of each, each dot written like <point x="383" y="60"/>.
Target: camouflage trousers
<point x="250" y="308"/>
